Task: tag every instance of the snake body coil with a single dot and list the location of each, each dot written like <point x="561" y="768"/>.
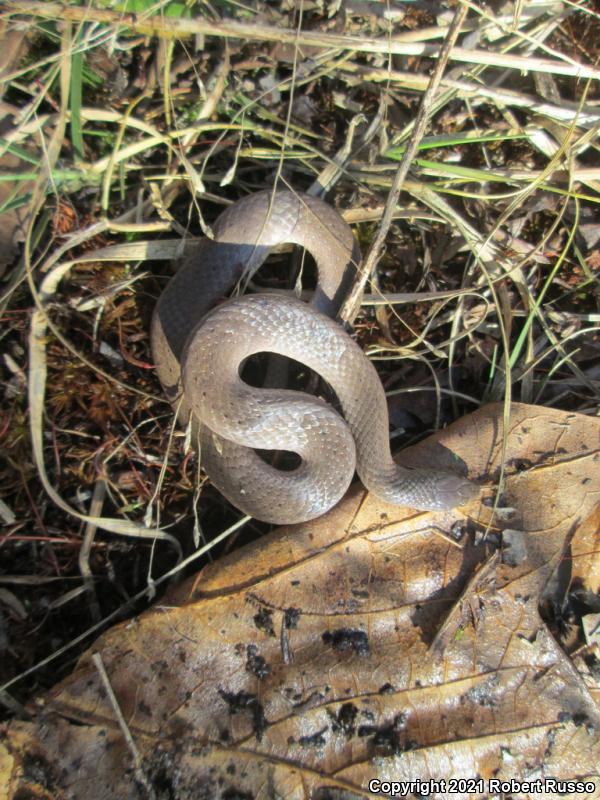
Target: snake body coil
<point x="198" y="357"/>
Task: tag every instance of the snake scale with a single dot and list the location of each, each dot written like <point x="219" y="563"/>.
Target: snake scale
<point x="198" y="350"/>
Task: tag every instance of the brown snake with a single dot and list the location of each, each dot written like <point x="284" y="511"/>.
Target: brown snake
<point x="201" y="353"/>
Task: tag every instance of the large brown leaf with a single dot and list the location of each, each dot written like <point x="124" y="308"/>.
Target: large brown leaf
<point x="373" y="643"/>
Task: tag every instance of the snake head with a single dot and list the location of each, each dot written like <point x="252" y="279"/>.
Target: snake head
<point x="452" y="490"/>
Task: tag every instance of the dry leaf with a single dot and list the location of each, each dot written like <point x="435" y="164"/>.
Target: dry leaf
<point x="376" y="643"/>
<point x="587" y="662"/>
<point x="585" y="555"/>
<point x="13" y="222"/>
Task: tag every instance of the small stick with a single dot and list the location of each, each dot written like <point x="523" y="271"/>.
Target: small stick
<point x="137" y="759"/>
<point x="352" y="303"/>
<point x="400" y="44"/>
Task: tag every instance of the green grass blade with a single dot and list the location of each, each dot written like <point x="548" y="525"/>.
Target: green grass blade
<point x="75" y="103"/>
<point x="451" y="140"/>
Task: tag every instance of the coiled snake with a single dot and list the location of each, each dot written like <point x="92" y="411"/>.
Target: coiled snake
<point x="199" y="352"/>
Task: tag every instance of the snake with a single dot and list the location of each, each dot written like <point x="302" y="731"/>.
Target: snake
<point x="200" y="341"/>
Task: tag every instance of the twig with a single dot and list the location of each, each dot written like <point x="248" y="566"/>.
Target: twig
<point x="352" y="304"/>
<point x="398" y="45"/>
<point x="137" y="759"/>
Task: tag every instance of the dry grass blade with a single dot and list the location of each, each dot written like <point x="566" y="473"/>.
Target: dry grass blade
<point x="264" y="33"/>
